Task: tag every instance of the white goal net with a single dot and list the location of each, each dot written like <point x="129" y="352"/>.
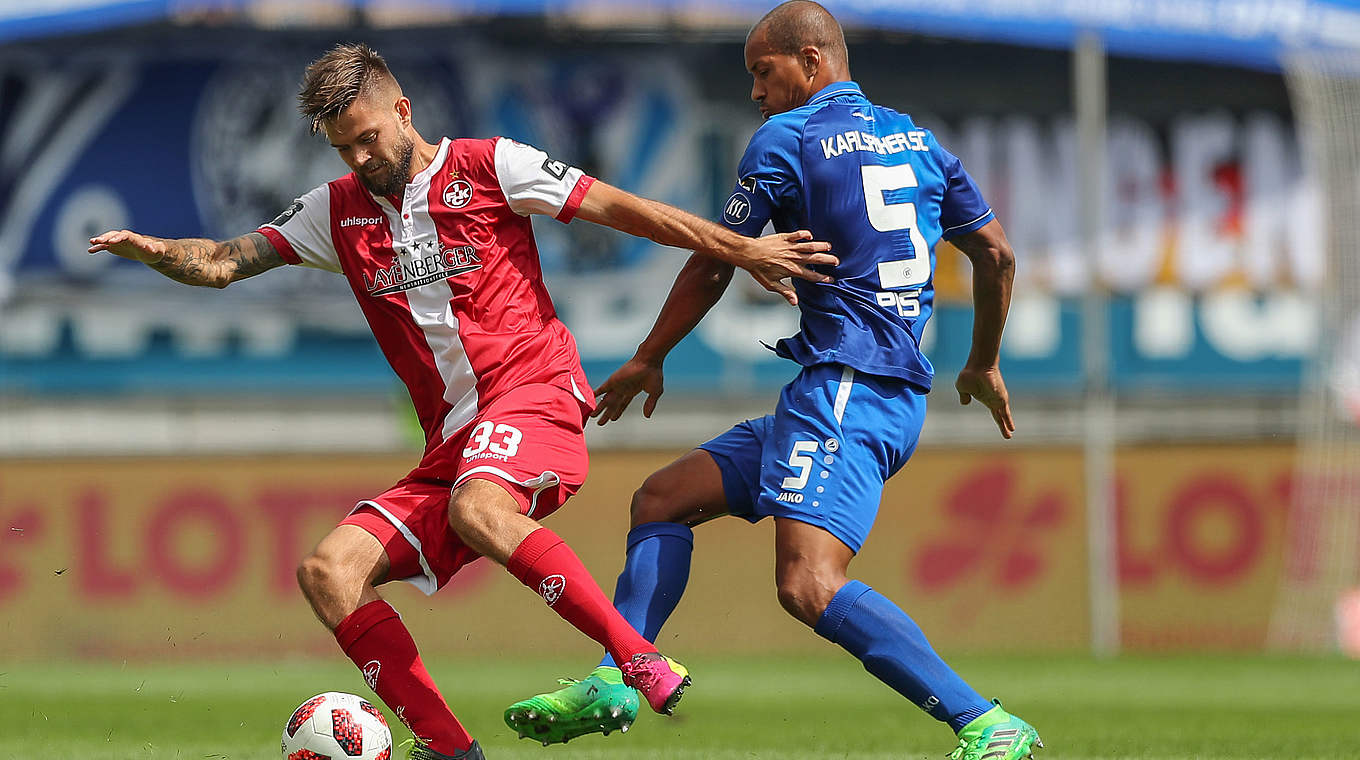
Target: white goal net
<point x="1322" y="551"/>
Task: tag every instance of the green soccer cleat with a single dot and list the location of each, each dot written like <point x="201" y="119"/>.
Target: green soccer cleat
<point x="598" y="703"/>
<point x="996" y="735"/>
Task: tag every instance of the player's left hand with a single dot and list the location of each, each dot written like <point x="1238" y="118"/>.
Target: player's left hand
<point x="985" y="385"/>
<point x="634" y="377"/>
<point x="775" y="258"/>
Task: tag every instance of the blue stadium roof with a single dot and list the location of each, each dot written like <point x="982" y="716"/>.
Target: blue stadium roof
<point x="1240" y="32"/>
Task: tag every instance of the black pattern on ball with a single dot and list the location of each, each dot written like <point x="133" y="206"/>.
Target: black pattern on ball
<point x="347" y="732"/>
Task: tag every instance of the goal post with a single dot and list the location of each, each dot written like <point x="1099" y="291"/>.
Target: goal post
<point x="1322" y="538"/>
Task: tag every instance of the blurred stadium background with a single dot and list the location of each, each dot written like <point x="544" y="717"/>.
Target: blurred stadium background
<point x="1178" y="178"/>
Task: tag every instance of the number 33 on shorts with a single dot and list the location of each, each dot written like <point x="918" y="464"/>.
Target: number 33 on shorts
<point x="492" y="440"/>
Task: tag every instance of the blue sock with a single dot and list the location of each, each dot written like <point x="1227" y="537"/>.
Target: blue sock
<point x="654" y="576"/>
<point x="892" y="647"/>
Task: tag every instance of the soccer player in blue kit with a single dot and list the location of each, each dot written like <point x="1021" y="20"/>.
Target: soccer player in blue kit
<point x="882" y="191"/>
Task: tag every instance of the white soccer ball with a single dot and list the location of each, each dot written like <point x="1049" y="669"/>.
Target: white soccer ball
<point x="337" y="726"/>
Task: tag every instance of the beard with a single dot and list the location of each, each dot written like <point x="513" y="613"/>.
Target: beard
<point x="399" y="173"/>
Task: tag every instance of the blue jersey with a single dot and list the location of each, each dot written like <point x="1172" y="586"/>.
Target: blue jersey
<point x="882" y="192"/>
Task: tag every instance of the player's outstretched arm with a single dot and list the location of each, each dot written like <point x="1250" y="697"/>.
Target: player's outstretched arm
<point x="770" y="259"/>
<point x="697" y="288"/>
<point x="993" y="271"/>
<point x="194" y="261"/>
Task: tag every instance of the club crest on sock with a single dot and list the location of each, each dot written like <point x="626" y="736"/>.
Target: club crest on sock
<point x="551" y="588"/>
<point x="370" y="670"/>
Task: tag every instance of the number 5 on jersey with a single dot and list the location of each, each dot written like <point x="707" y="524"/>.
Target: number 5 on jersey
<point x="888" y="216"/>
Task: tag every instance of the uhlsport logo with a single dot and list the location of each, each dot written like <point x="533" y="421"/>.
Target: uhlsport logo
<point x="551" y="588"/>
<point x="371" y="669"/>
<point x="738" y="208"/>
<point x="457" y="193"/>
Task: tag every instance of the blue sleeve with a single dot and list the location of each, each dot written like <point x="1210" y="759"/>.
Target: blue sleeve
<point x="768" y="177"/>
<point x="963" y="208"/>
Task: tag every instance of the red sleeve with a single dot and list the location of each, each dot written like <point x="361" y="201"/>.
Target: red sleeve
<point x="282" y="245"/>
<point x="573" y="203"/>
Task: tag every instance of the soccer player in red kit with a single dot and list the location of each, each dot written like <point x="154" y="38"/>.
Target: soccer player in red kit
<point x="436" y="243"/>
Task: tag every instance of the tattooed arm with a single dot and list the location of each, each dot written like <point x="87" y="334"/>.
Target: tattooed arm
<point x="194" y="261"/>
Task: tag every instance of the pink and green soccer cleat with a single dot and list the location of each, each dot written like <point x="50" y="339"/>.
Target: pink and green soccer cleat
<point x="996" y="735"/>
<point x="600" y="702"/>
<point x="660" y="679"/>
<point x="418" y="750"/>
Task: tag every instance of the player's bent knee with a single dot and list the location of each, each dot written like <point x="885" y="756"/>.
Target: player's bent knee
<point x="316" y="575"/>
<point x="805" y="594"/>
<point x="659" y="499"/>
<point x="474" y="521"/>
<point x="326" y="572"/>
<point x="795" y="601"/>
<point x="348" y="557"/>
<point x="648" y="504"/>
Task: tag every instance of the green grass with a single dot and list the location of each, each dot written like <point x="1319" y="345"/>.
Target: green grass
<point x="807" y="707"/>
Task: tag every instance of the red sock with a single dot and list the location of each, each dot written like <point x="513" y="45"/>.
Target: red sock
<point x="545" y="563"/>
<point x="375" y="638"/>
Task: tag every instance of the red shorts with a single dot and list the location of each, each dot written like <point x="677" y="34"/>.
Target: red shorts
<point x="530" y="441"/>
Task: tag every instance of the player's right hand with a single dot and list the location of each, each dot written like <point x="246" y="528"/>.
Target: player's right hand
<point x="634" y="377"/>
<point x="129" y="245"/>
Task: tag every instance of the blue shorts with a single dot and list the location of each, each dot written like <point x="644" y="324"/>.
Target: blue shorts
<point x="822" y="458"/>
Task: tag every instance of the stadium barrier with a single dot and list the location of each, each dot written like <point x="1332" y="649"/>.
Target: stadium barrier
<point x="195" y="557"/>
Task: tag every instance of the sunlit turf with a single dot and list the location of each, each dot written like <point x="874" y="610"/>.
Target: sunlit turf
<point x="1174" y="708"/>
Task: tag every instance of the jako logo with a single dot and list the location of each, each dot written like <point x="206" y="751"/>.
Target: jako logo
<point x="551" y="588"/>
<point x="371" y="669"/>
<point x="357" y="221"/>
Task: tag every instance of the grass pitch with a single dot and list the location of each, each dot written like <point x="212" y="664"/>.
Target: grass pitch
<point x="1206" y="707"/>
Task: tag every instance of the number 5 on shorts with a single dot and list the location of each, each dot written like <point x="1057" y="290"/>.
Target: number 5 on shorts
<point x="799" y="460"/>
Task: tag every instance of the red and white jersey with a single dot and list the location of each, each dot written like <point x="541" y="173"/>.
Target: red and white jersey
<point x="448" y="277"/>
